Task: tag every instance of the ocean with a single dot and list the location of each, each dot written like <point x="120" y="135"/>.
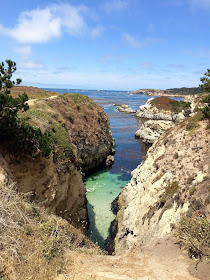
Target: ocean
<point x="105" y="185"/>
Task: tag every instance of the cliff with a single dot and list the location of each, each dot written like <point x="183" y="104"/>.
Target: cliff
<point x="160" y="116"/>
<point x="81" y="138"/>
<point x="171" y="181"/>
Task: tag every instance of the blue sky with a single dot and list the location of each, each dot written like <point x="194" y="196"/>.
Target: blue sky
<point x="107" y="44"/>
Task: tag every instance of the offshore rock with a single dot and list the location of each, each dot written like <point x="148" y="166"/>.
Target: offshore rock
<point x="125" y="109"/>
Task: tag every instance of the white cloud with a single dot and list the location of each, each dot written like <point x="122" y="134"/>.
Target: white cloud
<point x="200" y="4"/>
<point x="97" y="32"/>
<point x="23" y="50"/>
<point x="140" y="44"/>
<point x="132" y="41"/>
<point x="30" y="64"/>
<point x="42" y="25"/>
<point x="115" y="5"/>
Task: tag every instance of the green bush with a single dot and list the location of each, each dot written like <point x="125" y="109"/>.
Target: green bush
<point x="206" y="109"/>
<point x="179" y="106"/>
<point x="14" y="130"/>
<point x="206" y="86"/>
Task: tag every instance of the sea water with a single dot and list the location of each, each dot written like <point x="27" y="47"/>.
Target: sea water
<point x="105" y="185"/>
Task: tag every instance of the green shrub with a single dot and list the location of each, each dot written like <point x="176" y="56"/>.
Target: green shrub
<point x="14" y="130"/>
<point x="206" y="86"/>
<point x="192" y="190"/>
<point x="179" y="106"/>
<point x="206" y="109"/>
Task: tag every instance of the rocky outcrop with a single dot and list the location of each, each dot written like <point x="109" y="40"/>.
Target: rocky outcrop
<point x="151" y="130"/>
<point x="150" y="92"/>
<point x="88" y="128"/>
<point x="153" y="112"/>
<point x="160" y="116"/>
<point x="172" y="179"/>
<point x="125" y="109"/>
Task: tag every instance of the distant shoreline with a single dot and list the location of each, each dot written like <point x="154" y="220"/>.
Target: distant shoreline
<point x="176" y="92"/>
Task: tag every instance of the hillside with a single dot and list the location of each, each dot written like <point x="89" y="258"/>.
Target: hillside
<point x="32" y="92"/>
<point x="173" y="92"/>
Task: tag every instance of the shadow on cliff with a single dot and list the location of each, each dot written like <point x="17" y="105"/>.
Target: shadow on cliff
<point x="93" y="231"/>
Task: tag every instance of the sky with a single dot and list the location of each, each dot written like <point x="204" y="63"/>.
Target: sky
<point x="107" y="44"/>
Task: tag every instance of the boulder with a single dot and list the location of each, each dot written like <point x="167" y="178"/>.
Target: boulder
<point x="109" y="160"/>
<point x="125" y="109"/>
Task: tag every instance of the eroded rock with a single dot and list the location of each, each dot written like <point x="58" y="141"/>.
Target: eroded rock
<point x="125" y="109"/>
<point x="151" y="130"/>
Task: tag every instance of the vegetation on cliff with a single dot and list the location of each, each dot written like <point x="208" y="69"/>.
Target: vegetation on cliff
<point x="206" y="100"/>
<point x="193" y="229"/>
<point x="166" y="103"/>
<point x="15" y="130"/>
<point x="183" y="90"/>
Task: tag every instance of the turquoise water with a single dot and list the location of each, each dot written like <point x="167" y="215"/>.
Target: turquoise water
<point x="102" y="188"/>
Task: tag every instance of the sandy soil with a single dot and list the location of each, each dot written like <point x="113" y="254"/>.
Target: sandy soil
<point x="161" y="261"/>
<point x="31" y="102"/>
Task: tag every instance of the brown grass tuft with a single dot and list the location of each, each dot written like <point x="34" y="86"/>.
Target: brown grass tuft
<point x="193" y="233"/>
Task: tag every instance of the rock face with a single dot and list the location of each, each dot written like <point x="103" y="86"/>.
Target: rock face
<point x="81" y="139"/>
<point x="172" y="179"/>
<point x="161" y="118"/>
<point x="89" y="130"/>
<point x="151" y="130"/>
<point x="62" y="192"/>
<point x="153" y="112"/>
<point x="125" y="109"/>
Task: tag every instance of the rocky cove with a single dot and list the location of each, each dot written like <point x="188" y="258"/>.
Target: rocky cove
<point x="172" y="180"/>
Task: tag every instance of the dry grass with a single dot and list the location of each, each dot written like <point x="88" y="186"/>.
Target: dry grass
<point x="193" y="233"/>
<point x="32" y="92"/>
<point x="12" y="218"/>
<point x="33" y="243"/>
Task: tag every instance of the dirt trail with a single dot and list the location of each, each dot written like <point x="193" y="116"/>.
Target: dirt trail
<point x="163" y="261"/>
<point x="31" y="102"/>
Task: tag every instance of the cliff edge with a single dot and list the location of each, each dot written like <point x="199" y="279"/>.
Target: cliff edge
<point x="172" y="180"/>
